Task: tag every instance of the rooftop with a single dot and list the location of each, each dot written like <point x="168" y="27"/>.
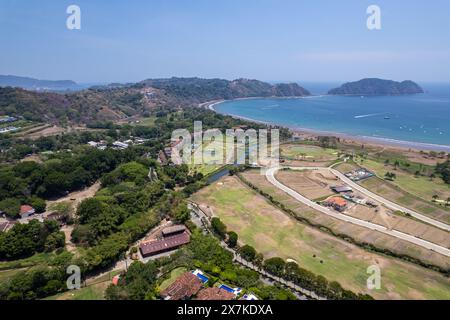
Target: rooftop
<point x="157" y="246"/>
<point x="343" y="188"/>
<point x="173" y="229"/>
<point x="183" y="287"/>
<point x="215" y="293"/>
<point x="25" y="209"/>
<point x="338" y="201"/>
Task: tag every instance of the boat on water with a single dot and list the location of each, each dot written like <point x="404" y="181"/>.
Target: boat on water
<point x="387" y="118"/>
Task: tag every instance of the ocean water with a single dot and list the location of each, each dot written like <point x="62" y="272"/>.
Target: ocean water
<point x="421" y="118"/>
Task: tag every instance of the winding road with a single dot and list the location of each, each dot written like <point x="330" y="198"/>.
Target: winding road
<point x="270" y="175"/>
<point x="391" y="205"/>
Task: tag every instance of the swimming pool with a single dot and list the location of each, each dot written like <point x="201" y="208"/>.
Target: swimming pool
<point x="202" y="277"/>
<point x="227" y="288"/>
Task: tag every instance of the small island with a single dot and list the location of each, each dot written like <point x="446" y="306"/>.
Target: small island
<point x="374" y="86"/>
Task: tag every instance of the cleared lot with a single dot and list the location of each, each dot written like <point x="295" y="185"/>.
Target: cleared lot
<point x="359" y="233"/>
<point x="315" y="184"/>
<point x="274" y="233"/>
<point x="397" y="194"/>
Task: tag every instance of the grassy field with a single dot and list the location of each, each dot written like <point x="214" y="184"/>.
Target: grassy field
<point x="307" y="152"/>
<point x="7" y="274"/>
<point x="420" y="186"/>
<point x="274" y="233"/>
<point x="38" y="258"/>
<point x="95" y="290"/>
<point x="147" y="122"/>
<point x="92" y="292"/>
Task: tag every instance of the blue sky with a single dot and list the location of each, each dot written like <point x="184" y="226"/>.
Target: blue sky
<point x="283" y="40"/>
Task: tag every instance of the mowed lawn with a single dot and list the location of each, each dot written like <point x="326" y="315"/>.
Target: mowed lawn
<point x="274" y="233"/>
<point x="174" y="274"/>
<point x="305" y="152"/>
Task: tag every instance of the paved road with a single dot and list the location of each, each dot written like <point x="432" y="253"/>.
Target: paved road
<point x="390" y="204"/>
<point x="270" y="175"/>
<point x="268" y="278"/>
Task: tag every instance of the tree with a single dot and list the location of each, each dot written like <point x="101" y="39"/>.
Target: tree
<point x="90" y="208"/>
<point x="181" y="212"/>
<point x="219" y="227"/>
<point x="275" y="266"/>
<point x="259" y="259"/>
<point x="390" y="176"/>
<point x="11" y="207"/>
<point x="54" y="240"/>
<point x="435" y="197"/>
<point x="247" y="252"/>
<point x="232" y="239"/>
<point x="38" y="204"/>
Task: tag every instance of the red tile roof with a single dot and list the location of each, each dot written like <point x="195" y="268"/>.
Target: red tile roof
<point x="215" y="293"/>
<point x="336" y="200"/>
<point x="115" y="280"/>
<point x="183" y="287"/>
<point x="25" y="208"/>
<point x="167" y="243"/>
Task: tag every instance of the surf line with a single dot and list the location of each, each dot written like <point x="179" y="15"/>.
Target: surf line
<point x="368" y="115"/>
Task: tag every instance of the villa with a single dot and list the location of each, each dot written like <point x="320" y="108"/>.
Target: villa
<point x="215" y="293"/>
<point x="184" y="287"/>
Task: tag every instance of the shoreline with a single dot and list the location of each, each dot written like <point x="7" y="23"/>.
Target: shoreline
<point x="379" y="141"/>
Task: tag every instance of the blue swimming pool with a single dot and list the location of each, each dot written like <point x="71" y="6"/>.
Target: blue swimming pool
<point x="227" y="288"/>
<point x="202" y="277"/>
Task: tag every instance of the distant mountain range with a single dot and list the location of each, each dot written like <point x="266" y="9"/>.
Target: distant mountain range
<point x="59" y="101"/>
<point x="36" y="84"/>
<point x="201" y="90"/>
<point x="119" y="101"/>
<point x="374" y="86"/>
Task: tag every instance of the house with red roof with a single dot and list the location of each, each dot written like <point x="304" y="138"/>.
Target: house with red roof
<point x="26" y="211"/>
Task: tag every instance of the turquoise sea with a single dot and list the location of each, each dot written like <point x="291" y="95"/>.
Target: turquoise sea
<point x="414" y="120"/>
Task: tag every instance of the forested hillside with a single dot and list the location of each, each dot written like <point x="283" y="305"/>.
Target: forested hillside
<point x="119" y="102"/>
